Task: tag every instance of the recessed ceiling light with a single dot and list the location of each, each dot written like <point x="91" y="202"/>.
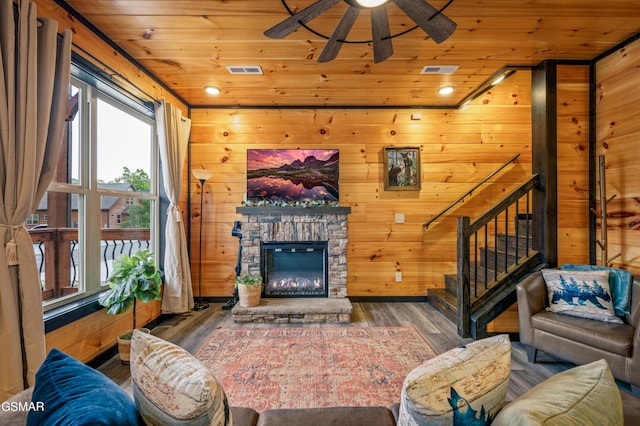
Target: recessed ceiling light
<point x="446" y="90"/>
<point x="212" y="90"/>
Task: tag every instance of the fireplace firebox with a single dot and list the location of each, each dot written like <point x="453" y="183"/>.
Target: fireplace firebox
<point x="295" y="269"/>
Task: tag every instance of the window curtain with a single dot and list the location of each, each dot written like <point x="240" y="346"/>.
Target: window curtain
<point x="34" y="86"/>
<point x="173" y="138"/>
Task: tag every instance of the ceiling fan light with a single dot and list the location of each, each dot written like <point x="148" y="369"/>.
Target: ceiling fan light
<point x="446" y="90"/>
<point x="371" y="3"/>
<point x="212" y="90"/>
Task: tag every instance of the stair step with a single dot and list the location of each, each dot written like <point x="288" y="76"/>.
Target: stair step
<point x="477" y="279"/>
<point x="524" y="221"/>
<point x="489" y="258"/>
<point x="451" y="285"/>
<point x="509" y="241"/>
<point x="481" y="317"/>
<point x="451" y="288"/>
<point x="445" y="302"/>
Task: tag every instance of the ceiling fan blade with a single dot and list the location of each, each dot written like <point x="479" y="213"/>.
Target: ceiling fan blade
<point x="334" y="44"/>
<point x="439" y="28"/>
<point x="382" y="47"/>
<point x="295" y="21"/>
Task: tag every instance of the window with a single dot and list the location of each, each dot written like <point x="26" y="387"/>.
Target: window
<point x="33" y="219"/>
<point x="103" y="199"/>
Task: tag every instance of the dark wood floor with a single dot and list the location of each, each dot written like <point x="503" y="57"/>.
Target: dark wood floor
<point x="190" y="330"/>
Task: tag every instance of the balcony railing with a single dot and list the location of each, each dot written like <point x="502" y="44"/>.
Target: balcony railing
<point x="58" y="257"/>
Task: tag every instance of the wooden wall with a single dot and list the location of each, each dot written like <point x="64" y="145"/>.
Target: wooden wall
<point x="618" y="139"/>
<point x="88" y="337"/>
<point x="458" y="149"/>
<point x="573" y="163"/>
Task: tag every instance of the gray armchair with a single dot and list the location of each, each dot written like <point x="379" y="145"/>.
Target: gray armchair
<point x="579" y="340"/>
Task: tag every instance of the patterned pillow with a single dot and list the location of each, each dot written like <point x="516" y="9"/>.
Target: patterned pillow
<point x="620" y="282"/>
<point x="584" y="395"/>
<point x="170" y="386"/>
<point x="583" y="294"/>
<point x="466" y="385"/>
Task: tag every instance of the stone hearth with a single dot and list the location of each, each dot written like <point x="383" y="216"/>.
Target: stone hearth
<point x="296" y="310"/>
<point x="296" y="224"/>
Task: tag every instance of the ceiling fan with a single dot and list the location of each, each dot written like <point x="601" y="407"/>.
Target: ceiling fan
<point x="431" y="20"/>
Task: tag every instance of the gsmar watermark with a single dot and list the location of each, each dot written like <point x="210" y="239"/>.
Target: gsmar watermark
<point x="22" y="406"/>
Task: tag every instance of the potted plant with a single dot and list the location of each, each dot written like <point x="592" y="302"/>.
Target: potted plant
<point x="133" y="278"/>
<point x="249" y="289"/>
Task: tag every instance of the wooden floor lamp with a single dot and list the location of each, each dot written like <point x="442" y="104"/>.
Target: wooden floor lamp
<point x="202" y="175"/>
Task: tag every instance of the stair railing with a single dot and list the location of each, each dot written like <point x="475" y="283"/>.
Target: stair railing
<point x="471" y="191"/>
<point x="492" y="230"/>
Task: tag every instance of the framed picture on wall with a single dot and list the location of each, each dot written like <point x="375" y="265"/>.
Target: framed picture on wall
<point x="401" y="168"/>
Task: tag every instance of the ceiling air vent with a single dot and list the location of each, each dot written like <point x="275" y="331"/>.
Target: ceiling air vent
<point x="244" y="69"/>
<point x="442" y="69"/>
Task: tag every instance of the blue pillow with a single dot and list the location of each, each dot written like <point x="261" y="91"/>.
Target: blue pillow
<point x="72" y="393"/>
<point x="620" y="282"/>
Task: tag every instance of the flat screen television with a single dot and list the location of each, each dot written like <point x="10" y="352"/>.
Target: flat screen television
<point x="293" y="174"/>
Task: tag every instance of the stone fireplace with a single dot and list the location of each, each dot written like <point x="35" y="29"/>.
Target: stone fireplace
<point x="299" y="239"/>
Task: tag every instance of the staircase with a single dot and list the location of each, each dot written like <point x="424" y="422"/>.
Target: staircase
<point x="495" y="252"/>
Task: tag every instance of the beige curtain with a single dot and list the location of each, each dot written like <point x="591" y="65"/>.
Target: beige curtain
<point x="173" y="138"/>
<point x="34" y="85"/>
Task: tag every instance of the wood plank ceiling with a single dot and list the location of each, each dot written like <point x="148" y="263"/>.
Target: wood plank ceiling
<point x="189" y="44"/>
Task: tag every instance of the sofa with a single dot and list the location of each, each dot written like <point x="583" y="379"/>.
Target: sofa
<point x="576" y="339"/>
<point x="335" y="416"/>
<point x="80" y="395"/>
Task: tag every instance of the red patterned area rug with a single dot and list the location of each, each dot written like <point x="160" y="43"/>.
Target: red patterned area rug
<point x="267" y="368"/>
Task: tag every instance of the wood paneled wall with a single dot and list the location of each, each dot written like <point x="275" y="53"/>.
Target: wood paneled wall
<point x="618" y="139"/>
<point x="458" y="149"/>
<point x="88" y="337"/>
<point x="573" y="163"/>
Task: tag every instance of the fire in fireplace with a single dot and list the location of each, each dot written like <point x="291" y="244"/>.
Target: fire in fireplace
<point x="295" y="269"/>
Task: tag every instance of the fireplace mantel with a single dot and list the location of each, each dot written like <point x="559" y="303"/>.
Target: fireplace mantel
<point x="294" y="211"/>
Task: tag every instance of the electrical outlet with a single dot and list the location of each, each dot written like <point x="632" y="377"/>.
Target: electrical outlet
<point x="399" y="217"/>
<point x="398" y="276"/>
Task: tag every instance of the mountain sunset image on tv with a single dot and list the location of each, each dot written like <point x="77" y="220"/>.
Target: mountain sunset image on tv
<point x="292" y="174"/>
